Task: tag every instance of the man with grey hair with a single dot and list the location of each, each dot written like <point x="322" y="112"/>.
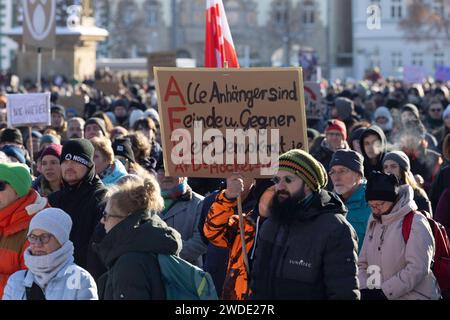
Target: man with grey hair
<point x="347" y="174"/>
<point x="75" y="128"/>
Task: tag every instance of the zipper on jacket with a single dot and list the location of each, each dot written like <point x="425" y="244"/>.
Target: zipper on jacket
<point x="382" y="237"/>
<point x="256" y="237"/>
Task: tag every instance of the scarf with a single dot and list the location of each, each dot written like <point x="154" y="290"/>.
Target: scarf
<point x="171" y="196"/>
<point x="45" y="268"/>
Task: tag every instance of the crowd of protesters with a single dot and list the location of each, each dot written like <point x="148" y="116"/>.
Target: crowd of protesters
<point x="89" y="194"/>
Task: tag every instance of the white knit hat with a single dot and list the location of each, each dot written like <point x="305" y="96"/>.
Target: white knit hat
<point x="54" y="221"/>
<point x="152" y="113"/>
<point x="446" y="112"/>
<point x="135" y="116"/>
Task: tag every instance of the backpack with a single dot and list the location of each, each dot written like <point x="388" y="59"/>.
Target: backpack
<point x="441" y="261"/>
<point x="184" y="281"/>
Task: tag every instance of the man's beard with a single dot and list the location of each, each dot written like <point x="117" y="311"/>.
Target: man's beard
<point x="285" y="210"/>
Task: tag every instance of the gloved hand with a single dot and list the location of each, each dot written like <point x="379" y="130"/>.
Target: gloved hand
<point x="372" y="294"/>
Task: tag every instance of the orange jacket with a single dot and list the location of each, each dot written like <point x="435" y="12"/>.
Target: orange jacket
<point x="14" y="222"/>
<point x="222" y="229"/>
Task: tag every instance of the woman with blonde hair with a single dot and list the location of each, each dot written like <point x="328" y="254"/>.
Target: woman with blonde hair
<point x="134" y="236"/>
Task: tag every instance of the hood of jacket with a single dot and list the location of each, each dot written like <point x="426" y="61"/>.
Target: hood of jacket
<point x="113" y="176"/>
<point x="16" y="217"/>
<point x="404" y="205"/>
<point x="376" y="130"/>
<point x="139" y="232"/>
<point x="384" y="112"/>
<point x="89" y="180"/>
<point x="322" y="202"/>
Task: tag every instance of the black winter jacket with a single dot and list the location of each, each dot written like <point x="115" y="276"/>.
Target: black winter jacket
<point x="368" y="166"/>
<point x="313" y="258"/>
<point x="83" y="203"/>
<point x="128" y="251"/>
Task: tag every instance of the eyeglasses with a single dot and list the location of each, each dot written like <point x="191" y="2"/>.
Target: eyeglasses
<point x="377" y="206"/>
<point x="435" y="110"/>
<point x="106" y="215"/>
<point x="334" y="134"/>
<point x="340" y="172"/>
<point x="3" y="185"/>
<point x="286" y="179"/>
<point x="42" y="239"/>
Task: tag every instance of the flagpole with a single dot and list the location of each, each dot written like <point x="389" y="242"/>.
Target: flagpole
<point x="39" y="68"/>
<point x="241" y="220"/>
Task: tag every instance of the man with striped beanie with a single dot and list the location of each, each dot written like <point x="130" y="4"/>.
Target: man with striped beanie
<point x="306" y="249"/>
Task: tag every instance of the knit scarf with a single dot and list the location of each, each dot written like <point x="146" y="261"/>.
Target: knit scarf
<point x="171" y="196"/>
<point x="45" y="268"/>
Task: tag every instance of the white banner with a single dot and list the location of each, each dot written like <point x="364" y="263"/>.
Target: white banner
<point x="28" y="109"/>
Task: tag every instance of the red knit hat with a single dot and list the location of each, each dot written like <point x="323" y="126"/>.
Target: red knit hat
<point x="337" y="125"/>
<point x="53" y="150"/>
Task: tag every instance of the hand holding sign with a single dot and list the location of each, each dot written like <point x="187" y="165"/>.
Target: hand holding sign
<point x="235" y="186"/>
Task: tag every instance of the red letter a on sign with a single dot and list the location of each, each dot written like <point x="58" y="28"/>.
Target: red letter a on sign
<point x="176" y="92"/>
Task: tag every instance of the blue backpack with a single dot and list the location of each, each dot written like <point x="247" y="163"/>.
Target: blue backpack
<point x="184" y="281"/>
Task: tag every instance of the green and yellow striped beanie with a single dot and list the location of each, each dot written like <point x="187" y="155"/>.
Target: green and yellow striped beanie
<point x="306" y="167"/>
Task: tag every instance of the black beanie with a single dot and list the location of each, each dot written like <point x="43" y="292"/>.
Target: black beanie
<point x="349" y="159"/>
<point x="97" y="121"/>
<point x="122" y="147"/>
<point x="79" y="150"/>
<point x="121" y="102"/>
<point x="11" y="135"/>
<point x="382" y="186"/>
<point x="56" y="108"/>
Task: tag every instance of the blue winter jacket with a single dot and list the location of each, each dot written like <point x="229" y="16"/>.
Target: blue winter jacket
<point x="70" y="283"/>
<point x="358" y="212"/>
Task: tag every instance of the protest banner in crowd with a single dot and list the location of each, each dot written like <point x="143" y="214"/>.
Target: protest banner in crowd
<point x="414" y="74"/>
<point x="28" y="109"/>
<point x="442" y="73"/>
<point x="160" y="59"/>
<point x="73" y="102"/>
<point x="107" y="87"/>
<point x="216" y="122"/>
<point x="313" y="101"/>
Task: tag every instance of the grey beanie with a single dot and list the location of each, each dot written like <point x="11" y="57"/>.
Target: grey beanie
<point x="349" y="159"/>
<point x="54" y="221"/>
<point x="400" y="157"/>
<point x="412" y="108"/>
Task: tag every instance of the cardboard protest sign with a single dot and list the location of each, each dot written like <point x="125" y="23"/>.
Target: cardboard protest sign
<point x="442" y="73"/>
<point x="39" y="23"/>
<point x="160" y="59"/>
<point x="107" y="87"/>
<point x="414" y="74"/>
<point x="313" y="101"/>
<point x="215" y="122"/>
<point x="28" y="109"/>
<point x="75" y="102"/>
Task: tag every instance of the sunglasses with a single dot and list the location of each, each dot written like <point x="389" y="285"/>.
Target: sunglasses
<point x="435" y="110"/>
<point x="287" y="180"/>
<point x="3" y="185"/>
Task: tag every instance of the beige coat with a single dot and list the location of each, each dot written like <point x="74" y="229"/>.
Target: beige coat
<point x="404" y="268"/>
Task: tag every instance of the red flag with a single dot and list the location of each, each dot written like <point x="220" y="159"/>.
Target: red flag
<point x="219" y="46"/>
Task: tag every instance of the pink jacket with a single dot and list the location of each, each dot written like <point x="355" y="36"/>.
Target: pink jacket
<point x="404" y="268"/>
